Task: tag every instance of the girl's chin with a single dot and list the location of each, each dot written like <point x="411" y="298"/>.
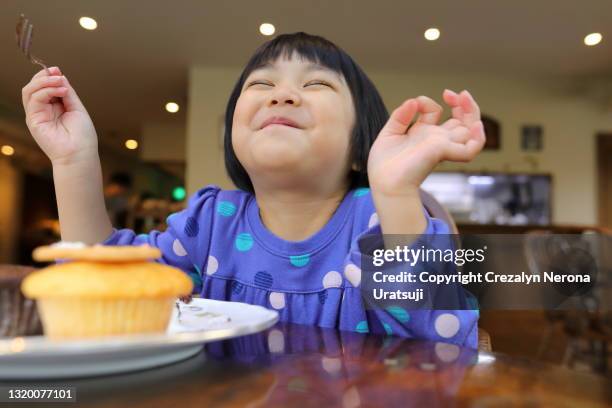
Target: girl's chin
<point x="279" y="150"/>
<point x="276" y="163"/>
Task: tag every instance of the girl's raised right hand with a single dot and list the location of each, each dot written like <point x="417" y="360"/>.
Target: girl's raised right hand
<point x="57" y="119"/>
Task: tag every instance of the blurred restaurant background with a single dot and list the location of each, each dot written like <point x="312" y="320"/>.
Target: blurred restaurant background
<point x="156" y="76"/>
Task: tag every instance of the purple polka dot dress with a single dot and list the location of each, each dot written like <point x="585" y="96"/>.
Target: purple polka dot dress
<point x="221" y="242"/>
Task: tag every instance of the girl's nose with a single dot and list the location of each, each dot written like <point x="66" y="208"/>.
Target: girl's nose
<point x="285" y="96"/>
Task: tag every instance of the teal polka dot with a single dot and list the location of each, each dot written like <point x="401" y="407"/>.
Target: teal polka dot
<point x="196" y="279"/>
<point x="362" y="327"/>
<point x="142" y="237"/>
<point x="473" y="305"/>
<point x="300" y="260"/>
<point x="197" y="268"/>
<point x="359" y="192"/>
<point x="244" y="242"/>
<point x="399" y="313"/>
<point x="388" y="329"/>
<point x="226" y="209"/>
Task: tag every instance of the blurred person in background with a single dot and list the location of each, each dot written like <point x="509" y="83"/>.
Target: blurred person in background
<point x="118" y="198"/>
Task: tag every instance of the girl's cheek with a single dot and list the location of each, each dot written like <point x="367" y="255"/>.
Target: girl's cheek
<point x="245" y="111"/>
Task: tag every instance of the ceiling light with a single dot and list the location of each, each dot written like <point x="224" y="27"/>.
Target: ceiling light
<point x="432" y="34"/>
<point x="593" y="39"/>
<point x="172" y="107"/>
<point x="7" y="150"/>
<point x="267" y="29"/>
<point x="131" y="144"/>
<point x="88" y="23"/>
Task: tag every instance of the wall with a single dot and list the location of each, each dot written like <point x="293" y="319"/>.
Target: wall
<point x="209" y="90"/>
<point x="162" y="141"/>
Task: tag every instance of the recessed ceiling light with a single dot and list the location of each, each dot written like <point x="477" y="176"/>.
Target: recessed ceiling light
<point x="7" y="150"/>
<point x="267" y="29"/>
<point x="593" y="39"/>
<point x="172" y="107"/>
<point x="88" y="23"/>
<point x="432" y="34"/>
<point x="131" y="144"/>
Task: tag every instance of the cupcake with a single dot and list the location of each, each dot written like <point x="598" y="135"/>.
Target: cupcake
<point x="104" y="291"/>
<point x="18" y="316"/>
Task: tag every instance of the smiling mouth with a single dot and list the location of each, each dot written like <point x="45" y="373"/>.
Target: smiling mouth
<point x="280" y="124"/>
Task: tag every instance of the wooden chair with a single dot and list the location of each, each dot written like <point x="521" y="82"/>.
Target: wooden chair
<point x="484" y="341"/>
<point x="436" y="210"/>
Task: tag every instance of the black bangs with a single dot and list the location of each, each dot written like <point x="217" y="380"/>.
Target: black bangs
<point x="306" y="47"/>
<point x="371" y="113"/>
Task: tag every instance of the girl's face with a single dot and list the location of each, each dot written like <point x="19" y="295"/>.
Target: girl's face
<point x="315" y="148"/>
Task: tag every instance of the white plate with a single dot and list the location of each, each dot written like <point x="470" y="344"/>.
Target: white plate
<point x="36" y="357"/>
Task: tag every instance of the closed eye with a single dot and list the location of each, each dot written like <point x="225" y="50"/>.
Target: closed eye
<point x="319" y="83"/>
<point x="309" y="83"/>
<point x="258" y="83"/>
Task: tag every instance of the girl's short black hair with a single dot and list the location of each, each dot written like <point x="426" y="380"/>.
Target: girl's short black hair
<point x="371" y="113"/>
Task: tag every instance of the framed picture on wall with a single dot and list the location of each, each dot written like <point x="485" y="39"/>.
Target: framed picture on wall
<point x="532" y="138"/>
<point x="492" y="131"/>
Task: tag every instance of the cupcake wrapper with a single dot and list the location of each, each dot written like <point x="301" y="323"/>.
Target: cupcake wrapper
<point x="18" y="315"/>
<point x="79" y="318"/>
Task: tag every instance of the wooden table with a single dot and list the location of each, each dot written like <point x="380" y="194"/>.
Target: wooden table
<point x="302" y="366"/>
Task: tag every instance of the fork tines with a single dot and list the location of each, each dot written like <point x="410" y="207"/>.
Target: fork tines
<point x="24" y="35"/>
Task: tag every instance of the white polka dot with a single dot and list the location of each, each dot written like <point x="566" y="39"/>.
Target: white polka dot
<point x="331" y="364"/>
<point x="178" y="248"/>
<point x="351" y="398"/>
<point x="277" y="300"/>
<point x="353" y="274"/>
<point x="447" y="325"/>
<point x="276" y="341"/>
<point x="446" y="352"/>
<point x="373" y="220"/>
<point x="332" y="279"/>
<point x="212" y="265"/>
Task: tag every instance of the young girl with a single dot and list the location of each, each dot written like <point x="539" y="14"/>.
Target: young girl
<point x="319" y="164"/>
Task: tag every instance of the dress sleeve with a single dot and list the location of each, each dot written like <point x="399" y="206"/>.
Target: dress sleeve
<point x="448" y="317"/>
<point x="185" y="242"/>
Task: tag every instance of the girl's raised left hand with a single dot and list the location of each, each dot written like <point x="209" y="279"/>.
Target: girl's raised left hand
<point x="403" y="156"/>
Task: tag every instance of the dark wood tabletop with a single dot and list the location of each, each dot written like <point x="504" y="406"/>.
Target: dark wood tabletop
<point x="304" y="366"/>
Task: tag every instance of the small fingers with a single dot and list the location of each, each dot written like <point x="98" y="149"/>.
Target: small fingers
<point x="43" y="96"/>
<point x="462" y="152"/>
<point x="429" y="110"/>
<point x="451" y="124"/>
<point x="460" y="134"/>
<point x="450" y="97"/>
<point x="400" y="118"/>
<point x="43" y="72"/>
<point x="463" y="105"/>
<point x="470" y="108"/>
<point x="37" y="84"/>
<point x="467" y="150"/>
<point x="72" y="101"/>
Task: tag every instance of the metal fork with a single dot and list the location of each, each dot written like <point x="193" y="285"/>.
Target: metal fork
<point x="178" y="308"/>
<point x="24" y="41"/>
